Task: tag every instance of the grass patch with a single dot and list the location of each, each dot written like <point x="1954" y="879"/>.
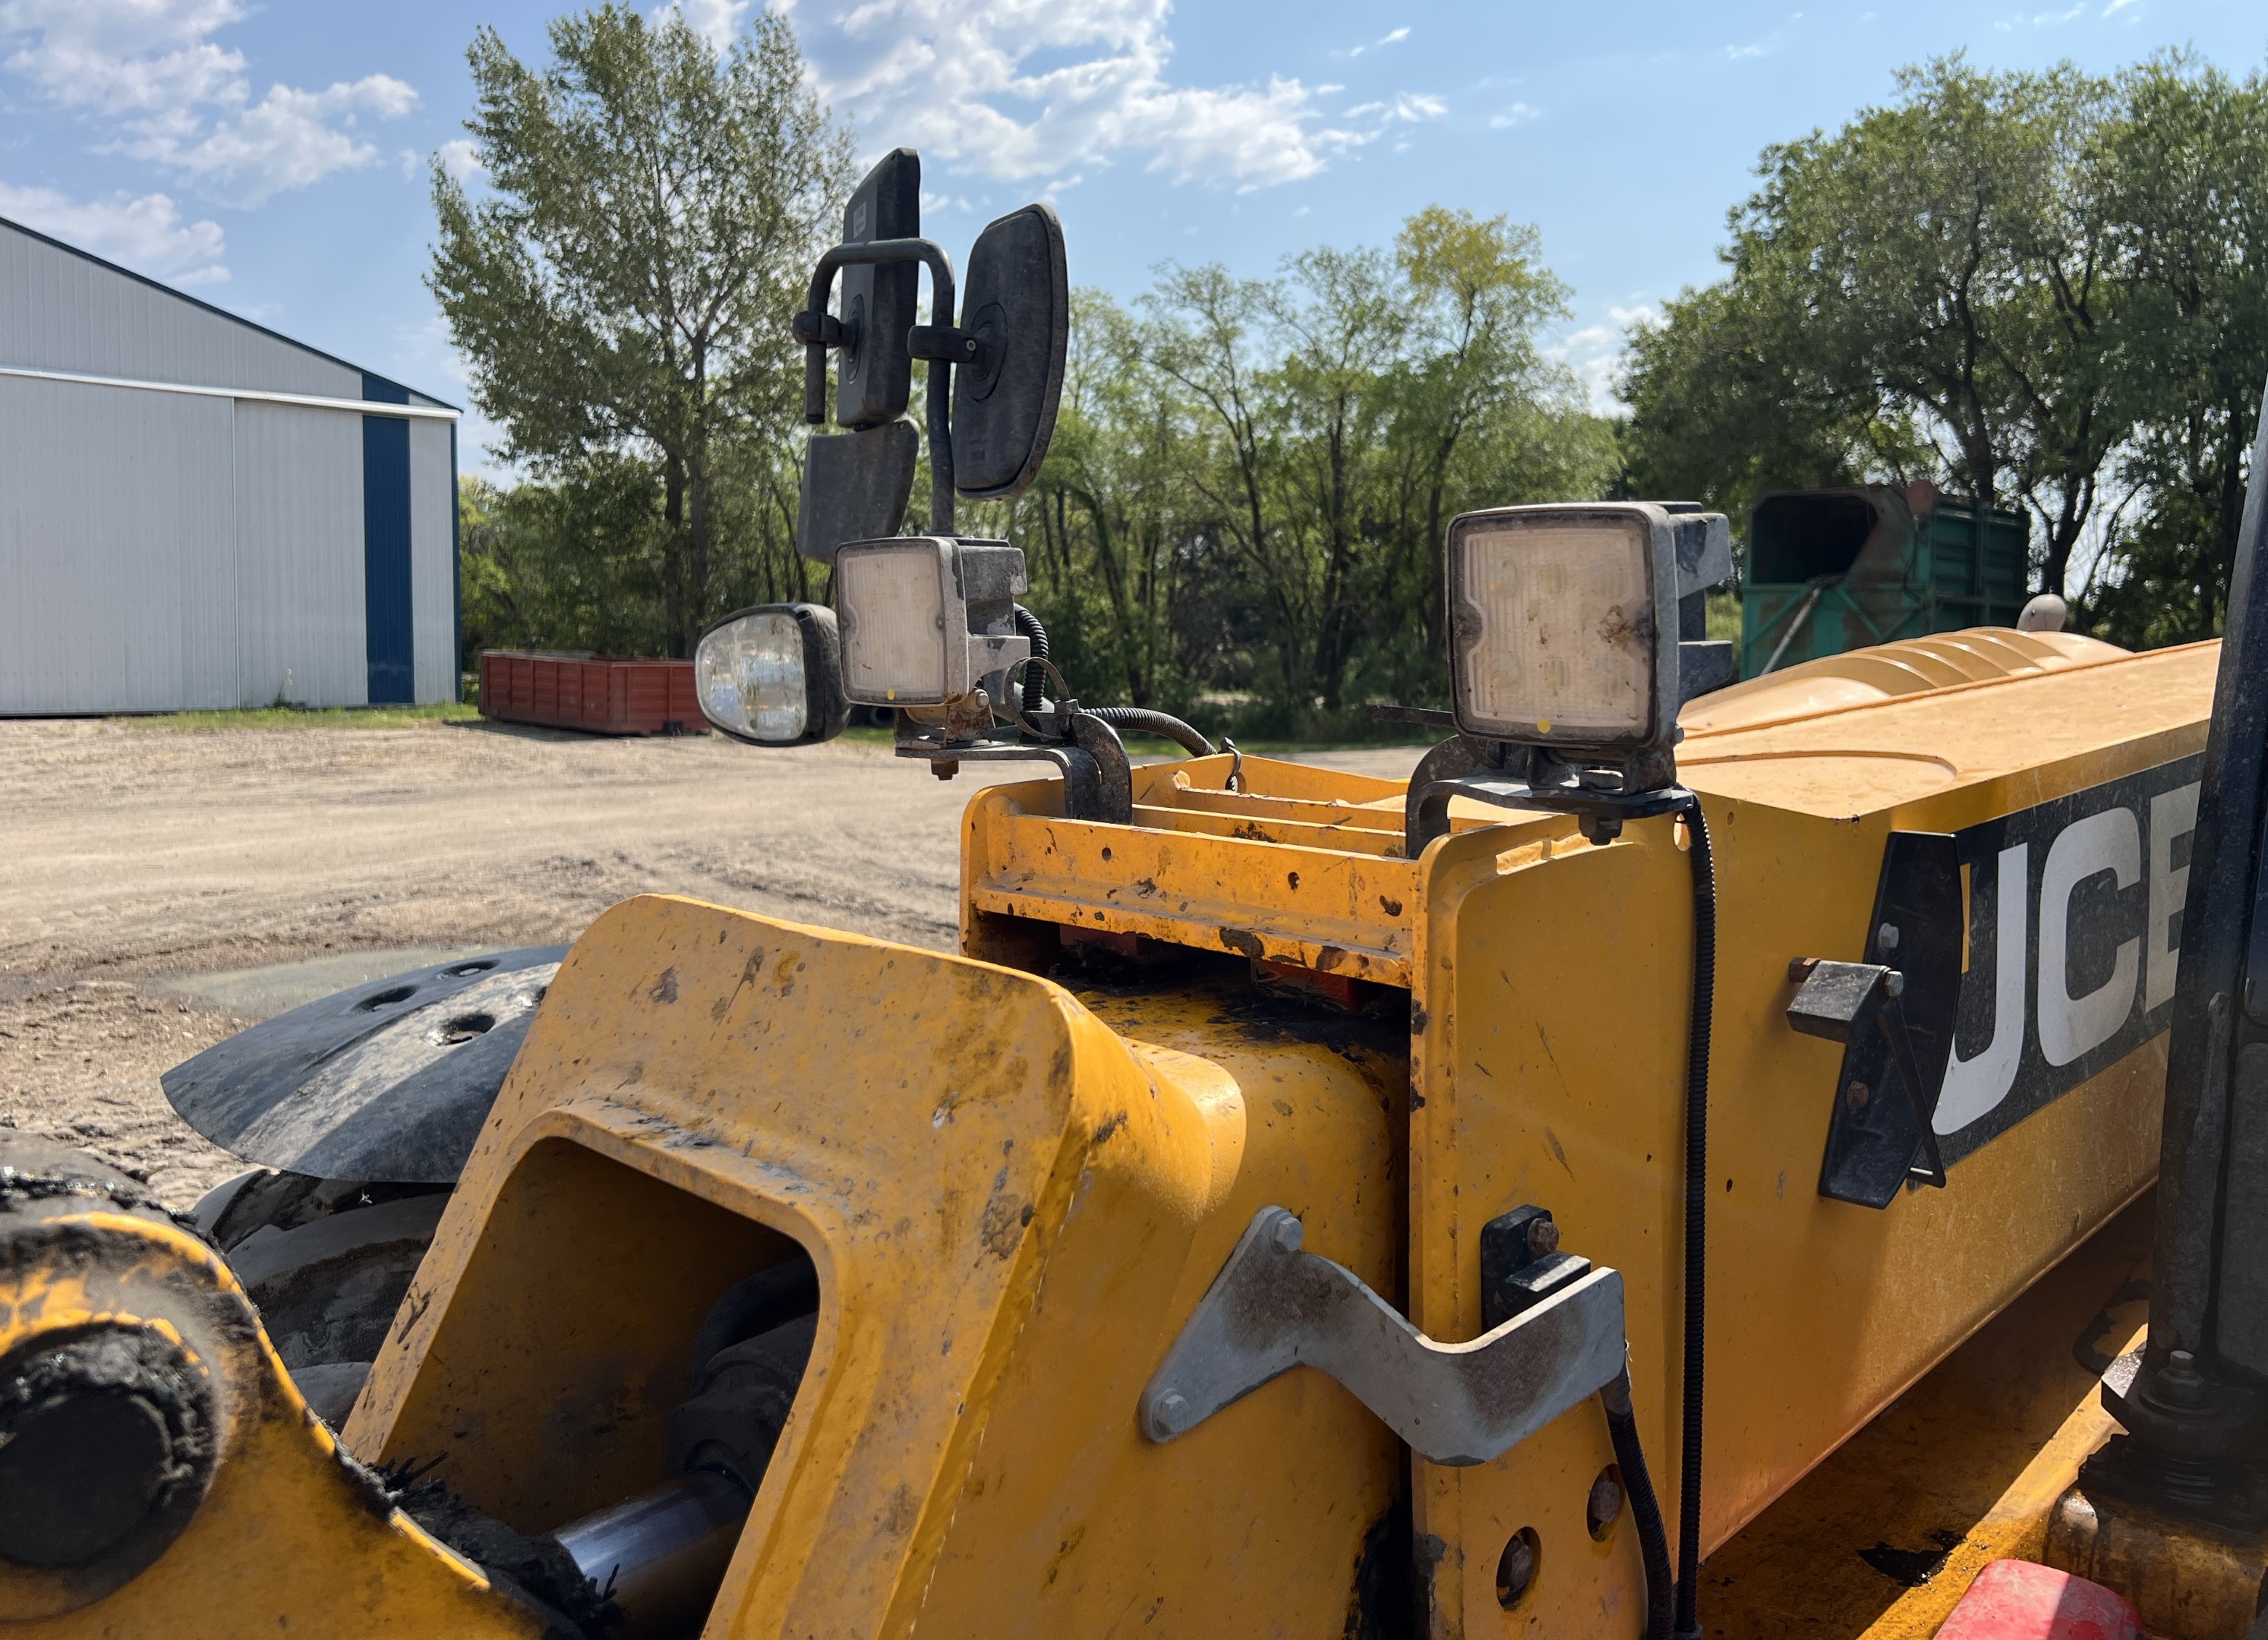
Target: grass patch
<point x="302" y="717"/>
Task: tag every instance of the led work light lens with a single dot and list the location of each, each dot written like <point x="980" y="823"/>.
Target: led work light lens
<point x="1555" y="629"/>
<point x="750" y="672"/>
<point x="891" y="600"/>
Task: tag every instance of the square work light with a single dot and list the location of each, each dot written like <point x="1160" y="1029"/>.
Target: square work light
<point x="1563" y="627"/>
<point x="772" y="675"/>
<point x="926" y="619"/>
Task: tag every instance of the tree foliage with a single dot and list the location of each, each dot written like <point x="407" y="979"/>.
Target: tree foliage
<point x="2044" y="290"/>
<point x="622" y="292"/>
<point x="1250" y="479"/>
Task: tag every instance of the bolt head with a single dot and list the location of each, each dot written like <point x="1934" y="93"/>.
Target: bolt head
<point x="1542" y="1238"/>
<point x="1288" y="1233"/>
<point x="2181" y="1383"/>
<point x="1166" y="1413"/>
<point x="1886" y="938"/>
<point x="1894" y="984"/>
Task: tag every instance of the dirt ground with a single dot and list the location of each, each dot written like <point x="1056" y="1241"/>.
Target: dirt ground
<point x="134" y="857"/>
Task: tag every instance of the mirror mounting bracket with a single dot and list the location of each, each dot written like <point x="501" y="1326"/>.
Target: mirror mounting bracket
<point x="810" y="327"/>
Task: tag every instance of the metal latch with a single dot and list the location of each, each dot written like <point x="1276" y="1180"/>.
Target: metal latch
<point x="1274" y="1307"/>
<point x="1893" y="1014"/>
<point x="1854" y="1002"/>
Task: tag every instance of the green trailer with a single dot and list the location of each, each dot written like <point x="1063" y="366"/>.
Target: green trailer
<point x="1837" y="569"/>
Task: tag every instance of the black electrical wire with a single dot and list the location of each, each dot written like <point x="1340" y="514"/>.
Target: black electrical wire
<point x="1035" y="687"/>
<point x="1164" y="725"/>
<point x="1697" y="1214"/>
<point x="1646" y="1508"/>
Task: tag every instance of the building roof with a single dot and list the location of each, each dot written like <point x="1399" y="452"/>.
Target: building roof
<point x="375" y="384"/>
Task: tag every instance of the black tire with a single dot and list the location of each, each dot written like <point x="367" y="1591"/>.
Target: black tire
<point x="327" y="1262"/>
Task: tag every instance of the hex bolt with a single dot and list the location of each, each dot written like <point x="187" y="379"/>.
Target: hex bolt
<point x="1894" y="984"/>
<point x="1288" y="1234"/>
<point x="1886" y="938"/>
<point x="1166" y="1414"/>
<point x="1542" y="1238"/>
<point x="1857" y="1094"/>
<point x="1605" y="1503"/>
<point x="1515" y="1568"/>
<point x="2181" y="1383"/>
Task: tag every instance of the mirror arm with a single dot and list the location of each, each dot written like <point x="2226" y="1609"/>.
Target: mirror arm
<point x="876" y="251"/>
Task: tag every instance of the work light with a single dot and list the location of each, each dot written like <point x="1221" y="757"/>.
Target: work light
<point x="927" y="620"/>
<point x="772" y="675"/>
<point x="1563" y="627"/>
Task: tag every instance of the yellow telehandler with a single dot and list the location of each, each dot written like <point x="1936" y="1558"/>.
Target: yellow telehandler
<point x="1682" y="1160"/>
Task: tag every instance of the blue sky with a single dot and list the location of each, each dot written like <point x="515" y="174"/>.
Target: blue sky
<point x="271" y="158"/>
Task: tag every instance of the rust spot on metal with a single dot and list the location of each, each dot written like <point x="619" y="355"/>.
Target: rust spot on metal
<point x="1242" y="941"/>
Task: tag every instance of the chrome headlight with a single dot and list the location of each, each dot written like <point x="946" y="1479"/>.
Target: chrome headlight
<point x="773" y="675"/>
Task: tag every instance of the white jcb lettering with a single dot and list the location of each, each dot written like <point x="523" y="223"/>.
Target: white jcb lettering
<point x="1973" y="1087"/>
<point x="2172" y="815"/>
<point x="2070" y="1025"/>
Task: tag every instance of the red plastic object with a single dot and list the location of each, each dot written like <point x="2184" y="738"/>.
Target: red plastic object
<point x="600" y="693"/>
<point x="2015" y="1599"/>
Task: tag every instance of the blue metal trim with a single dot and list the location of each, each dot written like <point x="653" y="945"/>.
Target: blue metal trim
<point x="389" y="620"/>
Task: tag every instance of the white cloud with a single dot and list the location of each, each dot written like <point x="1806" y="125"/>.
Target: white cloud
<point x="1595" y="352"/>
<point x="146" y="234"/>
<point x="1410" y="107"/>
<point x="1021" y="90"/>
<point x="716" y="21"/>
<point x="288" y="139"/>
<point x="2117" y="6"/>
<point x="122" y="56"/>
<point x="183" y="102"/>
<point x="1394" y="38"/>
<point x="1514" y="114"/>
<point x="461" y="159"/>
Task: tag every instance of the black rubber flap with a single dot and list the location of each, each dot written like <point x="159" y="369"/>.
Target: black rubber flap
<point x="387" y="1081"/>
<point x="1017" y="303"/>
<point x="855" y="486"/>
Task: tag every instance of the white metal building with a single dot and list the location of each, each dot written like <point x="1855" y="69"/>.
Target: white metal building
<point x="196" y="512"/>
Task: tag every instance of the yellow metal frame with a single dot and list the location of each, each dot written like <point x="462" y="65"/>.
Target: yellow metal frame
<point x="291" y="1537"/>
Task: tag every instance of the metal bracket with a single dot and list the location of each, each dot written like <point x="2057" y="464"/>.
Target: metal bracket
<point x="1098" y="781"/>
<point x="1894" y="1022"/>
<point x="1840" y="1000"/>
<point x="1524" y="777"/>
<point x="1273" y="1307"/>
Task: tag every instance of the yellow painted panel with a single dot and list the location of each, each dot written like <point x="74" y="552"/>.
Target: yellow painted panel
<point x="289" y="1538"/>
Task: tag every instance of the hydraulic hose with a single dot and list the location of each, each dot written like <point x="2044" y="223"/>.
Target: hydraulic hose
<point x="1646" y="1508"/>
<point x="1034" y="685"/>
<point x="1163" y="725"/>
<point x="1697" y="1219"/>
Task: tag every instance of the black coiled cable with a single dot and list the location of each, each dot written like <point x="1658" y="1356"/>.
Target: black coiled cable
<point x="1697" y="1219"/>
<point x="1161" y="723"/>
<point x="1034" y="686"/>
<point x="1646" y="1508"/>
<point x="1671" y="1606"/>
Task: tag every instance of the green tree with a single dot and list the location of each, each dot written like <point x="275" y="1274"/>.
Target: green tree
<point x="2186" y="199"/>
<point x="623" y="294"/>
<point x="1926" y="292"/>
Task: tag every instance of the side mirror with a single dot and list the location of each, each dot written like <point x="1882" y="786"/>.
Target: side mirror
<point x="876" y="304"/>
<point x="1016" y="304"/>
<point x="772" y="675"/>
